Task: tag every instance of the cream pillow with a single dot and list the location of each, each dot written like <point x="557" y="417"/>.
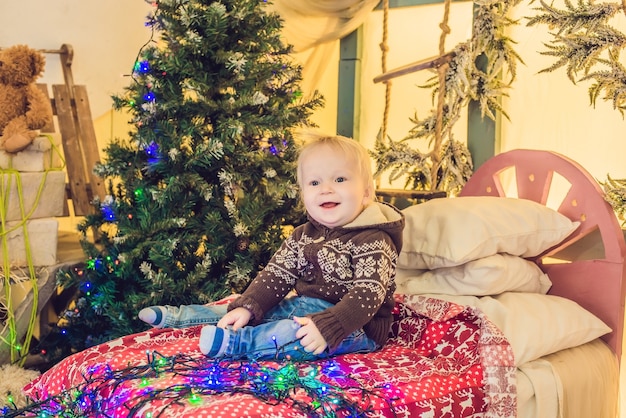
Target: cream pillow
<point x="536" y="325"/>
<point x="489" y="275"/>
<point x="452" y="231"/>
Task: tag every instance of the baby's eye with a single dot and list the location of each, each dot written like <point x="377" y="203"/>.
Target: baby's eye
<point x="314" y="182"/>
<point x="340" y="179"/>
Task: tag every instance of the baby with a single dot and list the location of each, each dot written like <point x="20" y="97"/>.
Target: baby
<point x="329" y="288"/>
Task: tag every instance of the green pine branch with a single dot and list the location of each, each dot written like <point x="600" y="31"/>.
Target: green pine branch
<point x="587" y="17"/>
<point x="609" y="83"/>
<point x="582" y="40"/>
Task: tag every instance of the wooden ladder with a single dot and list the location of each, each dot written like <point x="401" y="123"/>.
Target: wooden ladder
<point x="70" y="105"/>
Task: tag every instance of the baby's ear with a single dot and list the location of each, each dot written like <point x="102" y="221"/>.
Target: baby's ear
<point x="368" y="197"/>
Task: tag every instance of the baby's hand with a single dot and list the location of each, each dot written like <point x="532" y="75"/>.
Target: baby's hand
<point x="238" y="317"/>
<point x="310" y="337"/>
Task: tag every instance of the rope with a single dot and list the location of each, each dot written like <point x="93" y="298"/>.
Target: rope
<point x="385" y="49"/>
<point x="18" y="354"/>
<point x="435" y="155"/>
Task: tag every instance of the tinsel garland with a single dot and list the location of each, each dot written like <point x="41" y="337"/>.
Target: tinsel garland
<point x="304" y="386"/>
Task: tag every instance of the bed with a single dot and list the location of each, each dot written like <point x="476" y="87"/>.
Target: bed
<point x="503" y="293"/>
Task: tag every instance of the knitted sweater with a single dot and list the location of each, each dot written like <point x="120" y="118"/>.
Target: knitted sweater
<point x="352" y="267"/>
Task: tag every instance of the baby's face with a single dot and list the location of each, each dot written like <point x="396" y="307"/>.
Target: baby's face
<point x="333" y="189"/>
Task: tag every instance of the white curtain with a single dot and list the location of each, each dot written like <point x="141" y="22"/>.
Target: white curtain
<point x="310" y="23"/>
<point x="312" y="27"/>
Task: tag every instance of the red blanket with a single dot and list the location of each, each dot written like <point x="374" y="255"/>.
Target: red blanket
<point x="443" y="360"/>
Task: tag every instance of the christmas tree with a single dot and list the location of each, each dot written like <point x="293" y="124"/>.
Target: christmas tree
<point x="201" y="194"/>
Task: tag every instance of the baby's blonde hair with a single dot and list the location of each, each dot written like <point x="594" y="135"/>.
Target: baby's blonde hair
<point x="348" y="147"/>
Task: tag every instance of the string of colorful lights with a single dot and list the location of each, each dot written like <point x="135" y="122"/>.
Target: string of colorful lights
<point x="311" y="388"/>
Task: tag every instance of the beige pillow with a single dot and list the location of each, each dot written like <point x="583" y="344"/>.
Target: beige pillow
<point x="452" y="231"/>
<point x="536" y="325"/>
<point x="489" y="275"/>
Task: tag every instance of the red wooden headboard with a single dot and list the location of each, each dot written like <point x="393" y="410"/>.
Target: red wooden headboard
<point x="588" y="267"/>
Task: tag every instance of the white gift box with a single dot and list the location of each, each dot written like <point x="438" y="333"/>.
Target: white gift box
<point x="42" y="240"/>
<point x="43" y="194"/>
<point x="37" y="157"/>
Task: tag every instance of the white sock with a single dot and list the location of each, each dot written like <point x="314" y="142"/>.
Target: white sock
<point x="213" y="341"/>
<point x="153" y="315"/>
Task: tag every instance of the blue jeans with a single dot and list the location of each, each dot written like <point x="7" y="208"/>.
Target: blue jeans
<point x="275" y="337"/>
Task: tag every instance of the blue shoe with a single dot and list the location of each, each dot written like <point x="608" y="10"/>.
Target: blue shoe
<point x="153" y="315"/>
<point x="213" y="341"/>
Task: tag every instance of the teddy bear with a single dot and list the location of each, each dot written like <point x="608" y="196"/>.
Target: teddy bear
<point x="24" y="109"/>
